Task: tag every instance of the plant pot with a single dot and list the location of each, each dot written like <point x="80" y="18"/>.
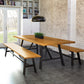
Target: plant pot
<point x="40" y="37"/>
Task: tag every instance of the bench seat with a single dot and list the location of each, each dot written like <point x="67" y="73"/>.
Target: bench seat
<point x="72" y="50"/>
<point x="23" y="52"/>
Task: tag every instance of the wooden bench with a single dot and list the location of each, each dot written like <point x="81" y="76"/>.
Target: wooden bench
<point x="24" y="53"/>
<point x="72" y="50"/>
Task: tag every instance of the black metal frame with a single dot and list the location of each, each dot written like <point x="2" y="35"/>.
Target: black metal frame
<point x="79" y="60"/>
<point x="30" y="46"/>
<point x="41" y="53"/>
<point x="72" y="58"/>
<point x="60" y="52"/>
<point x="48" y="52"/>
<point x="61" y="56"/>
<point x="28" y="65"/>
<point x="22" y="42"/>
<point x="36" y="48"/>
<point x="6" y="51"/>
<point x="25" y="64"/>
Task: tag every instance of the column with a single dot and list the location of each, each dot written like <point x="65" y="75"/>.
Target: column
<point x="72" y="20"/>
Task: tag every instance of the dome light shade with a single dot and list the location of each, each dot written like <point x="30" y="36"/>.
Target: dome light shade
<point x="38" y="19"/>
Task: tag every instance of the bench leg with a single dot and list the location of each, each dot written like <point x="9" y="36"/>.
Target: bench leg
<point x="79" y="58"/>
<point x="24" y="67"/>
<point x="61" y="56"/>
<point x="12" y="52"/>
<point x="6" y="51"/>
<point x="34" y="65"/>
<point x="72" y="58"/>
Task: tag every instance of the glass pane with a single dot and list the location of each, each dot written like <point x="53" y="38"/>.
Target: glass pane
<point x="1" y="26"/>
<point x="12" y="25"/>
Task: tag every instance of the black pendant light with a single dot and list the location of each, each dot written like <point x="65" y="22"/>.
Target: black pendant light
<point x="38" y="19"/>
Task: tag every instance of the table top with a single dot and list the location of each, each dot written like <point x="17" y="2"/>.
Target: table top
<point x="44" y="42"/>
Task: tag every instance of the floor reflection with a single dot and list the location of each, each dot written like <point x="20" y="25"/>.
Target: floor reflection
<point x="10" y="69"/>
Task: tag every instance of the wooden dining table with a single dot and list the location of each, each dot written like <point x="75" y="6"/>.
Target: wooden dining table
<point x="43" y="43"/>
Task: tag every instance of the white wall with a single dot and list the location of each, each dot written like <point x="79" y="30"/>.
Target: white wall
<point x="29" y="28"/>
<point x="72" y="20"/>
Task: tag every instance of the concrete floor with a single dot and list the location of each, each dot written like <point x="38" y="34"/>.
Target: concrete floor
<point x="52" y="73"/>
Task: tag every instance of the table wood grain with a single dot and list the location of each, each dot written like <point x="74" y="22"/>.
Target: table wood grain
<point x="47" y="41"/>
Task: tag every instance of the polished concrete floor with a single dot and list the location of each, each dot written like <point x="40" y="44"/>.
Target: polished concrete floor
<point x="52" y="73"/>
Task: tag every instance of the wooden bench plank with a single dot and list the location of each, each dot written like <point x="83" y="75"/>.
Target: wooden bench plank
<point x="26" y="54"/>
<point x="70" y="48"/>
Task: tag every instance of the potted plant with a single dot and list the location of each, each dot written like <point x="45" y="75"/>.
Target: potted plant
<point x="39" y="35"/>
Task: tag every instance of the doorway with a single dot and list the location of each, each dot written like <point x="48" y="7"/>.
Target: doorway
<point x="10" y="23"/>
